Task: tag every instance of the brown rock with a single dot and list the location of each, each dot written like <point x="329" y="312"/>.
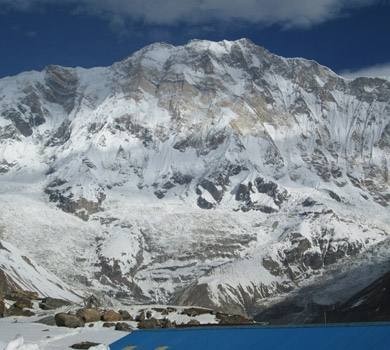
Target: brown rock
<point x="125" y="315"/>
<point x="123" y="326"/>
<point x="149" y="324"/>
<point x="111" y="316"/>
<point x="89" y="315"/>
<point x="67" y="320"/>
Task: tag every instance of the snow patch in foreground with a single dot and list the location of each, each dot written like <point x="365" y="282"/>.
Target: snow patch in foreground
<point x="18" y="344"/>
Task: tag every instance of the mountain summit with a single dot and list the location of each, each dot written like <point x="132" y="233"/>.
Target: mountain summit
<point x="214" y="173"/>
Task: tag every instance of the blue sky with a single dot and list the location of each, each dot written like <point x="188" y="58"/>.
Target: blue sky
<point x="349" y="36"/>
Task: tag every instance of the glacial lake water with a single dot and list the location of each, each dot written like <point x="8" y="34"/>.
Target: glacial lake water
<point x="332" y="337"/>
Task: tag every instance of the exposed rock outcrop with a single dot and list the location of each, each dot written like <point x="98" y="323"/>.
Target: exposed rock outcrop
<point x="68" y="320"/>
<point x="53" y="303"/>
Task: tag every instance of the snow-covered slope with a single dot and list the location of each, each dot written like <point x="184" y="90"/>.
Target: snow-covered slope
<point x="213" y="173"/>
<point x="17" y="271"/>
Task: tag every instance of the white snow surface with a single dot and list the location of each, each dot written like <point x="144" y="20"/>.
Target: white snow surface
<point x="26" y="335"/>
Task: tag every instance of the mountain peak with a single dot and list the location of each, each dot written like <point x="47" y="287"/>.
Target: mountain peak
<point x="220" y="47"/>
<point x="160" y="50"/>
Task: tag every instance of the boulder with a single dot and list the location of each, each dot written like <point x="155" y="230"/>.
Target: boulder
<point x="89" y="315"/>
<point x="148" y="314"/>
<point x="125" y="315"/>
<point x="67" y="320"/>
<point x="193" y="322"/>
<point x="108" y="324"/>
<point x="149" y="323"/>
<point x="84" y="345"/>
<point x="111" y="316"/>
<point x="123" y="326"/>
<point x="52" y="303"/>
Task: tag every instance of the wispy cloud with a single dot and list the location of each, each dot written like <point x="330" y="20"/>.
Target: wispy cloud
<point x="376" y="71"/>
<point x="298" y="13"/>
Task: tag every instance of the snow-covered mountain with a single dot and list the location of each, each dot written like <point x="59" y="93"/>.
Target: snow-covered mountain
<point x="214" y="173"/>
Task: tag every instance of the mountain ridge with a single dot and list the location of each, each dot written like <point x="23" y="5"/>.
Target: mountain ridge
<point x="167" y="44"/>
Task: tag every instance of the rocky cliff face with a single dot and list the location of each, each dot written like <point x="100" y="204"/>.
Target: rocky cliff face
<point x="366" y="299"/>
<point x="214" y="173"/>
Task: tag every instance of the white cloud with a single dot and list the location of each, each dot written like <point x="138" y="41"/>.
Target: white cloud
<point x="294" y="13"/>
<point x="376" y="71"/>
